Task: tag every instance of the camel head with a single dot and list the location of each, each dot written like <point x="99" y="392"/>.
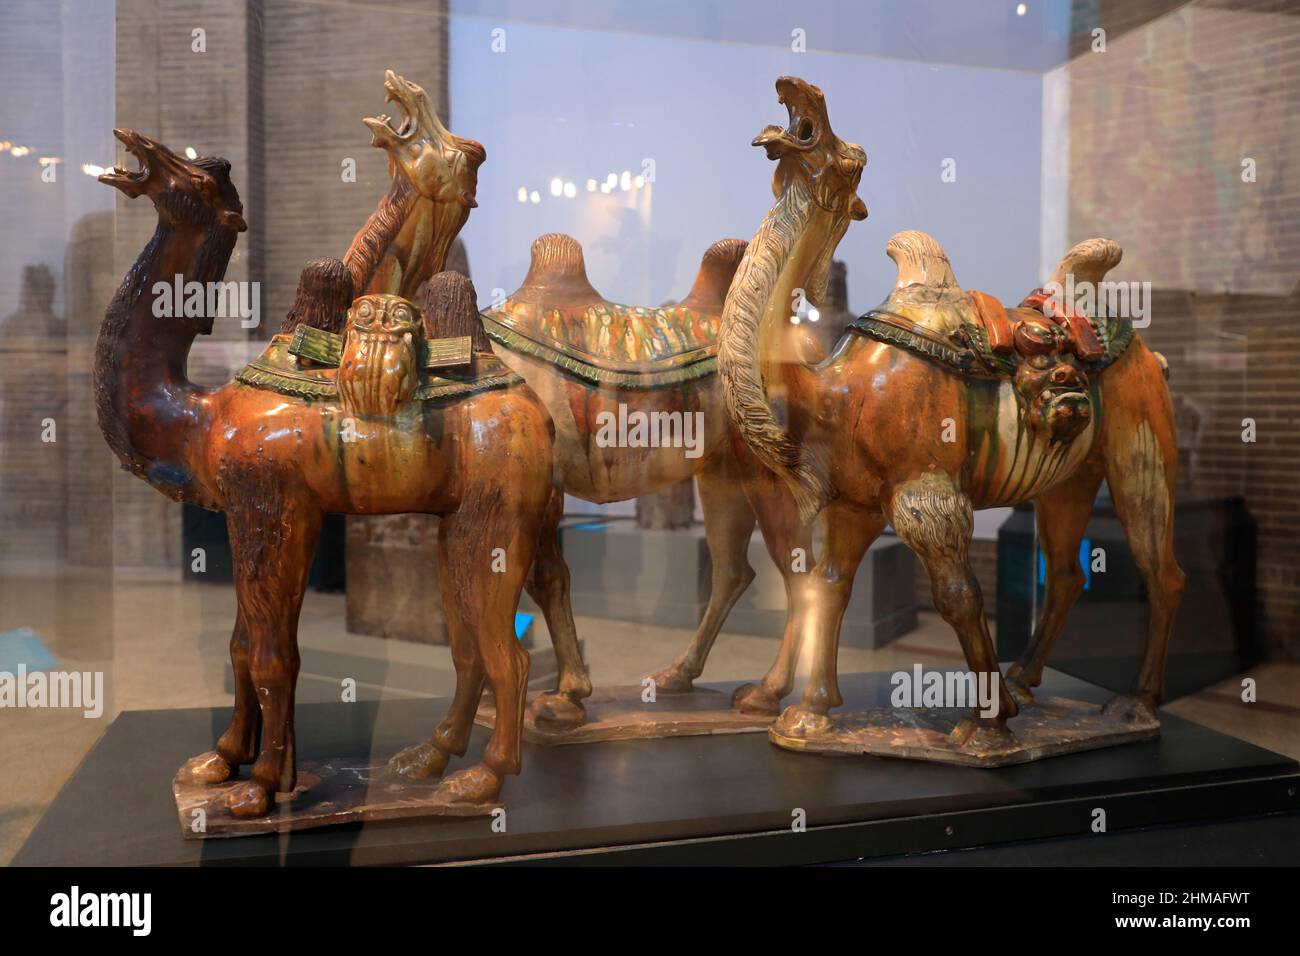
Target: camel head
<point x="440" y="165"/>
<point x="816" y="176"/>
<point x="193" y="192"/>
<point x="808" y="152"/>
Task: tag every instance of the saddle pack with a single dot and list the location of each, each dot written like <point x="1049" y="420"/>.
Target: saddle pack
<point x="1043" y="346"/>
<point x="388" y="354"/>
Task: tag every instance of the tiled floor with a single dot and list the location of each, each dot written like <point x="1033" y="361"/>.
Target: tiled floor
<point x="162" y="644"/>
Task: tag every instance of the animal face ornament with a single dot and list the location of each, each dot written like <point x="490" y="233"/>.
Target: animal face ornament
<point x="1052" y="390"/>
<point x="439" y="164"/>
<point x="379" y="367"/>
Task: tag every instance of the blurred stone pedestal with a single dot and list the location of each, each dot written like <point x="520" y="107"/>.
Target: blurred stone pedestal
<point x="393" y="578"/>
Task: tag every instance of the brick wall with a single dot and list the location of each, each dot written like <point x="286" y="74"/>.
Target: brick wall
<point x="1158" y="128"/>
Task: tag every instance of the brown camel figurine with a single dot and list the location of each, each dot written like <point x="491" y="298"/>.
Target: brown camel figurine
<point x="586" y="357"/>
<point x="940" y="402"/>
<point x="292" y="439"/>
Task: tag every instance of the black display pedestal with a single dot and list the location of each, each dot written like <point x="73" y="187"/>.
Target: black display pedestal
<point x="691" y="800"/>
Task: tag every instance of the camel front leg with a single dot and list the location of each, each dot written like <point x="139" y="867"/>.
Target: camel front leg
<point x="820" y="598"/>
<point x="238" y="745"/>
<point x="1062" y="514"/>
<point x="787" y="538"/>
<point x="272" y="542"/>
<point x="934" y="518"/>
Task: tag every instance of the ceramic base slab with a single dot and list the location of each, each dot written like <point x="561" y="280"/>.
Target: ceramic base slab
<point x="328" y="794"/>
<point x="618" y="713"/>
<point x="1049" y="727"/>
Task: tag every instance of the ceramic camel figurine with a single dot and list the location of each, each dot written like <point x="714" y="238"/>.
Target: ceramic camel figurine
<point x="584" y="356"/>
<point x="593" y="362"/>
<point x="292" y="439"/>
<point x="937" y="403"/>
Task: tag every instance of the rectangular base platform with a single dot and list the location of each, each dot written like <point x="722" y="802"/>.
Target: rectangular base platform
<point x="687" y="800"/>
<point x="1049" y="727"/>
<point x="333" y="793"/>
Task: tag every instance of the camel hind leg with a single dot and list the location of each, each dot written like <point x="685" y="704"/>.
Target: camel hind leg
<point x="1141" y="462"/>
<point x="484" y="552"/>
<point x="548" y="585"/>
<point x="728" y="523"/>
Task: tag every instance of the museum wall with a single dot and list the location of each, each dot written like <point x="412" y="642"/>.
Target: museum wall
<point x="1200" y="90"/>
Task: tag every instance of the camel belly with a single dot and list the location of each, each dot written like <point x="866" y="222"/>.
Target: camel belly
<point x="612" y="444"/>
<point x="1009" y="461"/>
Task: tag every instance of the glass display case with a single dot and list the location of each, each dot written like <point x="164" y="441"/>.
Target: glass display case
<point x="466" y="430"/>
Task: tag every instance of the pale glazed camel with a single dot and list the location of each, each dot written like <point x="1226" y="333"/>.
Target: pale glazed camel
<point x="580" y="380"/>
<point x="879" y="433"/>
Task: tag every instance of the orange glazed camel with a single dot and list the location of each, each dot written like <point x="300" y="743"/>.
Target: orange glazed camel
<point x="383" y="434"/>
<point x="940" y="402"/>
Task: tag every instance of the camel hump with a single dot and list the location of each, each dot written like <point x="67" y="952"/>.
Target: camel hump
<point x="921" y="261"/>
<point x="1089" y="261"/>
<point x="717" y="269"/>
<point x="324" y="294"/>
<point x="450" y="310"/>
<point x="557" y="268"/>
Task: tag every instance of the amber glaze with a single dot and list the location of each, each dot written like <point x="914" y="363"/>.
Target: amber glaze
<point x="275" y="464"/>
<point x="866" y="437"/>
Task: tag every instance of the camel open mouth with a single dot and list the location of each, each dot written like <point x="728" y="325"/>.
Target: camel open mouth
<point x="382" y="129"/>
<point x="806" y="108"/>
<point x="131" y="183"/>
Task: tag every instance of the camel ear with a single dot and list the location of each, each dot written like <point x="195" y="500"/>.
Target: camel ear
<point x="232" y="220"/>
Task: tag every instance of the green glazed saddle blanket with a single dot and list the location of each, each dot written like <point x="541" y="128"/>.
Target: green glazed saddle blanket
<point x="608" y="344"/>
<point x="305" y="365"/>
<point x="966" y="350"/>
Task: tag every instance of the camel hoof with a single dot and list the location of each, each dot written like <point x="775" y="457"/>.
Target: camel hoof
<point x="672" y="680"/>
<point x="419" y="762"/>
<point x="557" y="711"/>
<point x="477" y="784"/>
<point x="207" y="768"/>
<point x="1019" y="690"/>
<point x="755" y="699"/>
<point x="982" y="737"/>
<point x="798" y="721"/>
<point x="1130" y="708"/>
<point x="248" y="799"/>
